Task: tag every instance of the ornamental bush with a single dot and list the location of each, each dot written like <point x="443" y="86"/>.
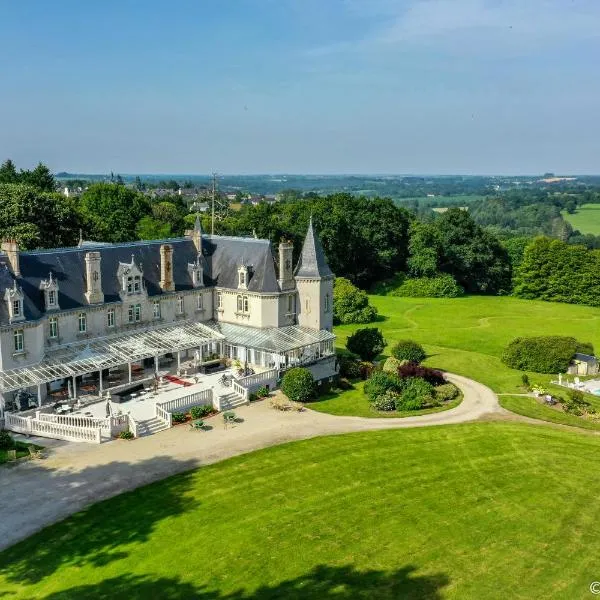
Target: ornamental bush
<point x="350" y="304"/>
<point x="544" y="354"/>
<point x="298" y="384"/>
<point x="391" y="364"/>
<point x="409" y="350"/>
<point x="349" y="367"/>
<point x="439" y="286"/>
<point x="367" y="343"/>
<point x="380" y="383"/>
<point x="126" y="435"/>
<point x="411" y="370"/>
<point x="197" y="412"/>
<point x="6" y="441"/>
<point x="386" y="402"/>
<point x="417" y="393"/>
<point x="179" y="417"/>
<point x="446" y="392"/>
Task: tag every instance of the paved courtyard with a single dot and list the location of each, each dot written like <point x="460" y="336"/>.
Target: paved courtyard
<point x="141" y="408"/>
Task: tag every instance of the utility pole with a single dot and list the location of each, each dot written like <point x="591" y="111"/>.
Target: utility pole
<point x="214" y="189"/>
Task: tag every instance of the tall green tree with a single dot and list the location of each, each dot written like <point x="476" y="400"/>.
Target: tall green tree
<point x="111" y="212"/>
<point x="8" y="172"/>
<point x="37" y="219"/>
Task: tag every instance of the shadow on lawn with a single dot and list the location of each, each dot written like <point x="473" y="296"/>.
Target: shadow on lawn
<point x="100" y="533"/>
<point x="338" y="583"/>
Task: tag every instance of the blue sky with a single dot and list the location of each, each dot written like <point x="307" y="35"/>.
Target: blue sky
<point x="301" y="86"/>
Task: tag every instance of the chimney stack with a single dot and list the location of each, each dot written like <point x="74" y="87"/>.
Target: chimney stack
<point x="166" y="268"/>
<point x="286" y="277"/>
<point x="93" y="278"/>
<point x="11" y="248"/>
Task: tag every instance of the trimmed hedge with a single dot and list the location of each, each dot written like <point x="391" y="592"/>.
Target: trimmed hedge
<point x="439" y="286"/>
<point x="298" y="384"/>
<point x="544" y="354"/>
<point x="409" y="350"/>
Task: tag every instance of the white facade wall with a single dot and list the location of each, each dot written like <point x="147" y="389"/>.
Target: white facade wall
<point x="315" y="303"/>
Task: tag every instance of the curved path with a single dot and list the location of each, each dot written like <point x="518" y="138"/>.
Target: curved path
<point x="34" y="494"/>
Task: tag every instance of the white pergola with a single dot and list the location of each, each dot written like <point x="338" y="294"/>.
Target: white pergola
<point x="81" y="358"/>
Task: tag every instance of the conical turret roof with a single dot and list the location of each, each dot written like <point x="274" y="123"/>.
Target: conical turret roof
<point x="312" y="263"/>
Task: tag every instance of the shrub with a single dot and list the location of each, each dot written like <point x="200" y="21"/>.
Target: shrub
<point x="351" y="305"/>
<point x="262" y="392"/>
<point x="446" y="392"/>
<point x="349" y="367"/>
<point x="391" y="364"/>
<point x="298" y="384"/>
<point x="575" y="403"/>
<point x="179" y="417"/>
<point x="344" y="384"/>
<point x="6" y="441"/>
<point x="126" y="435"/>
<point x="386" y="402"/>
<point x="439" y="286"/>
<point x="365" y="369"/>
<point x="380" y="383"/>
<point x="545" y="354"/>
<point x="525" y="380"/>
<point x="409" y="350"/>
<point x="417" y="393"/>
<point x="432" y="376"/>
<point x="197" y="412"/>
<point x="367" y="343"/>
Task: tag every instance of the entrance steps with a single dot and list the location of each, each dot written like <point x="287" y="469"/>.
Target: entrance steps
<point x="231" y="401"/>
<point x="150" y="426"/>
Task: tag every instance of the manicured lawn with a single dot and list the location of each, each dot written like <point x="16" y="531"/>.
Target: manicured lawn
<point x="487" y="510"/>
<point x="355" y="403"/>
<point x="530" y="407"/>
<point x="586" y="219"/>
<point x="21" y="448"/>
<point x="467" y="335"/>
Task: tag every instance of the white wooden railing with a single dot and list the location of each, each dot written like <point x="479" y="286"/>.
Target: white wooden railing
<point x="244" y="386"/>
<point x="44" y="428"/>
<point x="75" y="420"/>
<point x="164" y="416"/>
<point x="185" y="402"/>
<point x="133" y="426"/>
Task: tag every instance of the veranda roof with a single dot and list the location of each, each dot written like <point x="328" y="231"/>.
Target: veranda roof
<point x="273" y="339"/>
<point x="102" y="353"/>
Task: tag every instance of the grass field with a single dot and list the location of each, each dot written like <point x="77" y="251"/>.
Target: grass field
<point x="530" y="407"/>
<point x="586" y="219"/>
<point x="467" y="336"/>
<point x="489" y="510"/>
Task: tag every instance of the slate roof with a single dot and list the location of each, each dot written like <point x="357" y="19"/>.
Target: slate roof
<point x="221" y="258"/>
<point x="312" y="263"/>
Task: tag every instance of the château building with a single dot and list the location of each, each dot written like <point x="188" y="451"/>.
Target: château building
<point x="67" y="312"/>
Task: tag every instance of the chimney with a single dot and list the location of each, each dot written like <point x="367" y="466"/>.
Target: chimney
<point x="286" y="279"/>
<point x="11" y="248"/>
<point x="166" y="268"/>
<point x="93" y="278"/>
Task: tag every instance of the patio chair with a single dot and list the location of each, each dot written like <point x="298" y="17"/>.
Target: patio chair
<point x="197" y="424"/>
<point x="228" y="418"/>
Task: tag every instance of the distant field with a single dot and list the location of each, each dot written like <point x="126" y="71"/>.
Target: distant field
<point x="586" y="219"/>
<point x="441" y="201"/>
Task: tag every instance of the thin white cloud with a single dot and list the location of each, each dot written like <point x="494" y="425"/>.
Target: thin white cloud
<point x="459" y="24"/>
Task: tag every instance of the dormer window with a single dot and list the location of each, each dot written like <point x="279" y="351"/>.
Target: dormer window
<point x="14" y="298"/>
<point x="131" y="278"/>
<point x="243" y="277"/>
<point x="50" y="289"/>
<point x="196" y="272"/>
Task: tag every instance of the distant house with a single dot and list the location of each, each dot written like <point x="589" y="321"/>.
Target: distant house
<point x="583" y="364"/>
